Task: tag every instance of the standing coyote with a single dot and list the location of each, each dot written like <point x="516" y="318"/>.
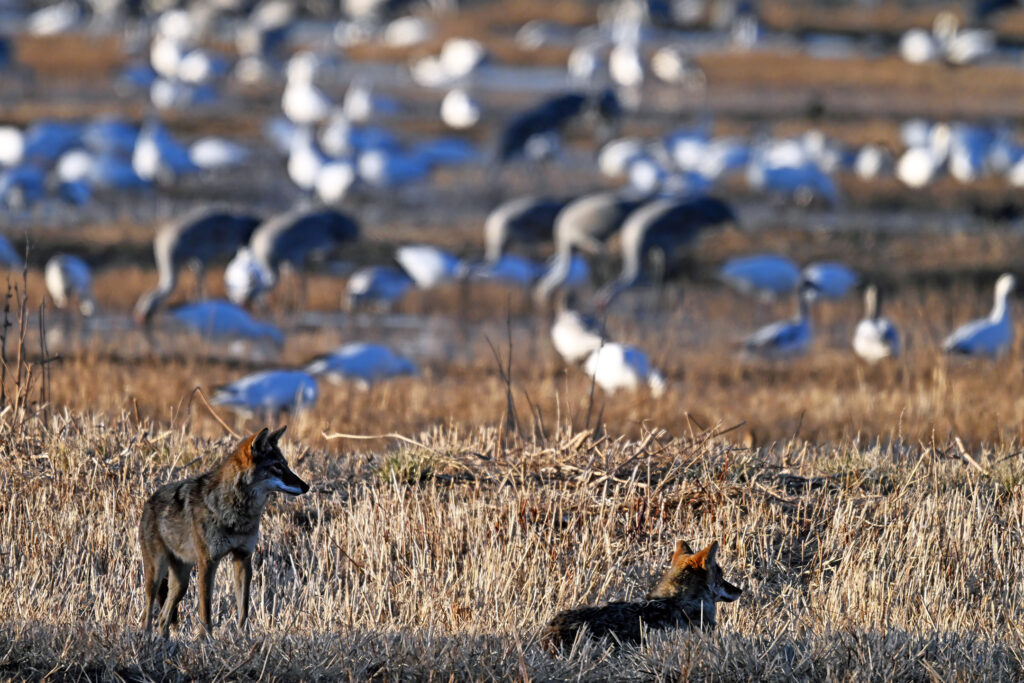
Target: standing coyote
<point x="685" y="596"/>
<point x="200" y="520"/>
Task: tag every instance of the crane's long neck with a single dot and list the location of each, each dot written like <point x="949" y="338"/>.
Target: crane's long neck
<point x="558" y="272"/>
<point x="805" y="307"/>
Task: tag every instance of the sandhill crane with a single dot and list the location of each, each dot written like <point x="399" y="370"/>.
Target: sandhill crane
<point x="199" y="237"/>
<point x="69" y="278"/>
<point x="616" y="366"/>
<point x="268" y="393"/>
<point x="362" y="363"/>
<point x="584" y="224"/>
<point x="659" y="228"/>
<point x="786" y="337"/>
<point x="990" y="336"/>
<point x="875" y="338"/>
<point x="294" y="236"/>
<point x="551" y="115"/>
<point x="523" y="219"/>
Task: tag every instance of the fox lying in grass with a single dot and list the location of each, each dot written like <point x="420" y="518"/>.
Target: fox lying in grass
<point x="199" y="521"/>
<point x="684" y="597"/>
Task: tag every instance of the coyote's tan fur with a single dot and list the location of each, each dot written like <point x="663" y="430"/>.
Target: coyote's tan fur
<point x="198" y="521"/>
<point x="684" y="597"/>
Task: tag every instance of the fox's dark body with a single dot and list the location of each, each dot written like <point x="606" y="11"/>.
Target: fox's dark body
<point x="685" y="597"/>
<point x="199" y="521"/>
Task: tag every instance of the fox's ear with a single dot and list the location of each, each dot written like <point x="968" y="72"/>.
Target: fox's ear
<point x="276" y="436"/>
<point x="705" y="557"/>
<point x="680" y="554"/>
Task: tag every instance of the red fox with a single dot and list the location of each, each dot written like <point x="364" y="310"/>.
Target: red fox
<point x="198" y="521"/>
<point x="685" y="597"/>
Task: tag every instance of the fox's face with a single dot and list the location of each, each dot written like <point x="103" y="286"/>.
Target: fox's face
<point x="697" y="576"/>
<point x="268" y="471"/>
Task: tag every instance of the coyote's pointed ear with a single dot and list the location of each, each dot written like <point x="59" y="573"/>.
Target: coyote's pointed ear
<point x="276" y="436"/>
<point x="705" y="557"/>
<point x="680" y="554"/>
<point x="260" y="441"/>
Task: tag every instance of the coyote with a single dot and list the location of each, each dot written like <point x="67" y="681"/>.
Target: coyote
<point x="685" y="596"/>
<point x="200" y="520"/>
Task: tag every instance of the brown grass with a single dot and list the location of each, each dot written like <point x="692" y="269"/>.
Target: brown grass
<point x="889" y="563"/>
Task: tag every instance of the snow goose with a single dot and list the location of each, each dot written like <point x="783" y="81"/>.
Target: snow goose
<point x="459" y="110"/>
<point x="576" y="335"/>
<point x="831" y="280"/>
<point x="269" y="392"/>
<point x="215" y="319"/>
<point x="379" y="285"/>
<point x="68" y="277"/>
<point x="875" y="338"/>
<point x="615" y="366"/>
<point x="510" y="270"/>
<point x="787" y="337"/>
<point x="764" y="275"/>
<point x="990" y="336"/>
<point x="302" y="101"/>
<point x="243" y="278"/>
<point x="429" y="266"/>
<point x="362" y="363"/>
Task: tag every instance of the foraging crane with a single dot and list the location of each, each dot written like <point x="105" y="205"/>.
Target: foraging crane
<point x="766" y="275"/>
<point x="659" y="228"/>
<point x="551" y="115"/>
<point x="875" y="338"/>
<point x="295" y="235"/>
<point x="199" y="237"/>
<point x="362" y="363"/>
<point x="584" y="224"/>
<point x="990" y="336"/>
<point x="224" y="320"/>
<point x="523" y="219"/>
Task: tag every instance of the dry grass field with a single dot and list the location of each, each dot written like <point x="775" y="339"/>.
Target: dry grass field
<point x="443" y="560"/>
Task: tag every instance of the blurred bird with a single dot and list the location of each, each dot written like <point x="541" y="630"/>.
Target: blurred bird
<point x="615" y="366"/>
<point x="875" y="338"/>
<point x="268" y="393"/>
<point x="361" y="363"/>
<point x="787" y="337"/>
<point x="215" y="319"/>
<point x="68" y="279"/>
<point x="991" y="336"/>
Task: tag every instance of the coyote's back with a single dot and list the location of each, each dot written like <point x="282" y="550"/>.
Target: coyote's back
<point x="685" y="597"/>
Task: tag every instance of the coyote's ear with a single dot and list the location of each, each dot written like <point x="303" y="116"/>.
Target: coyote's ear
<point x="680" y="554"/>
<point x="276" y="436"/>
<point x="260" y="441"/>
<point x="705" y="557"/>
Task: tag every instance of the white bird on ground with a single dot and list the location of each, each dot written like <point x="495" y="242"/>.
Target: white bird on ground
<point x="215" y="319"/>
<point x="787" y="337"/>
<point x="875" y="338"/>
<point x="215" y="153"/>
<point x="362" y="363"/>
<point x="68" y="277"/>
<point x="764" y="275"/>
<point x="269" y="392"/>
<point x="379" y="285"/>
<point x="990" y="336"/>
<point x="459" y="110"/>
<point x="509" y="269"/>
<point x="429" y="266"/>
<point x="334" y="181"/>
<point x="243" y="277"/>
<point x="460" y="57"/>
<point x="302" y="101"/>
<point x="576" y="335"/>
<point x="361" y="105"/>
<point x="830" y="280"/>
<point x="615" y="366"/>
<point x="12" y="146"/>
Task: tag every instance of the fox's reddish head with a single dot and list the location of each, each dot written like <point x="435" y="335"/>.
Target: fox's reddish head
<point x="263" y="466"/>
<point x="696" y="576"/>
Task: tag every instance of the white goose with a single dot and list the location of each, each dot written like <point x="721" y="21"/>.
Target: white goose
<point x="68" y="277"/>
<point x="786" y="337"/>
<point x="272" y="391"/>
<point x="990" y="336"/>
<point x="429" y="266"/>
<point x="831" y="280"/>
<point x="362" y="363"/>
<point x="215" y="319"/>
<point x="875" y="338"/>
<point x="378" y="285"/>
<point x="576" y="335"/>
<point x="764" y="275"/>
<point x="616" y="366"/>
